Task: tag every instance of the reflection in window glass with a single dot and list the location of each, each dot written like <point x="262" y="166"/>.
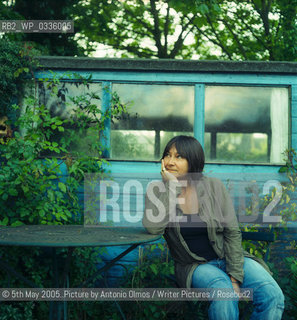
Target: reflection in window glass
<point x="246" y="124"/>
<point x="156" y="114"/>
<point x="60" y="103"/>
<point x="127" y="144"/>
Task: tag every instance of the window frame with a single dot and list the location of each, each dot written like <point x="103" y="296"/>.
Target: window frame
<point x="199" y="80"/>
<point x="199" y="116"/>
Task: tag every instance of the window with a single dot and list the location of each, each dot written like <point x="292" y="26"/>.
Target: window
<point x="246" y="124"/>
<point x="242" y="124"/>
<point x="156" y="114"/>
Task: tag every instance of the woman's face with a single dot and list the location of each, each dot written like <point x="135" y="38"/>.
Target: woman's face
<point x="175" y="163"/>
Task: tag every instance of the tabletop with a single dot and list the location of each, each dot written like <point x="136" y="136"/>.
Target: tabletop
<point x="73" y="236"/>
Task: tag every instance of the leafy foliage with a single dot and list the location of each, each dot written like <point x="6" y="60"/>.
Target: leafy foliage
<point x="14" y="61"/>
<point x="279" y="201"/>
<point x="137" y="28"/>
<point x="287" y="211"/>
<point x="39" y="189"/>
<point x="245" y="30"/>
<point x="17" y="311"/>
<point x="155" y="269"/>
<point x="291" y="289"/>
<point x="232" y="30"/>
<point x="35" y="190"/>
<point x="51" y="43"/>
<point x="251" y="30"/>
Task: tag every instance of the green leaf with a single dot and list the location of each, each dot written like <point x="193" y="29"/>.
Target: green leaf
<point x="12" y="192"/>
<point x="16" y="73"/>
<point x="217" y="8"/>
<point x="161" y="246"/>
<point x="25" y="189"/>
<point x="5" y="196"/>
<point x="153" y="308"/>
<point x="17" y="134"/>
<point x="154" y="268"/>
<point x="55" y="90"/>
<point x="203" y="8"/>
<point x="17" y="223"/>
<point x="4" y="222"/>
<point x="51" y="195"/>
<point x="64" y="216"/>
<point x="287" y="198"/>
<point x="62" y="186"/>
<point x="35" y="118"/>
<point x="24" y="212"/>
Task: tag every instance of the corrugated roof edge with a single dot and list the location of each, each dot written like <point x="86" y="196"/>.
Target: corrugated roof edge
<point x="167" y="65"/>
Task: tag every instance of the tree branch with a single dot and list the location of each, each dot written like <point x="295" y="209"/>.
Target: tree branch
<point x="137" y="32"/>
<point x="219" y="42"/>
<point x="267" y="42"/>
<point x="252" y="30"/>
<point x="157" y="32"/>
<point x="264" y="12"/>
<point x="180" y="40"/>
<point x="140" y="20"/>
<point x="235" y="37"/>
<point x="166" y="26"/>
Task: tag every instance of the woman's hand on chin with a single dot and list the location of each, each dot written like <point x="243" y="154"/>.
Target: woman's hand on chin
<point x="166" y="175"/>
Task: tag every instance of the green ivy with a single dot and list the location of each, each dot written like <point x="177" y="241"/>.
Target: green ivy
<point x="287" y="210"/>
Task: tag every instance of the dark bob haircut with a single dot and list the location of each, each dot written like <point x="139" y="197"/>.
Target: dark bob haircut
<point x="189" y="148"/>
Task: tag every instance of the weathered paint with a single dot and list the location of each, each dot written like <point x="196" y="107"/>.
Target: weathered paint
<point x="293" y="121"/>
<point x="199" y="113"/>
<point x="181" y="78"/>
<point x="106" y="97"/>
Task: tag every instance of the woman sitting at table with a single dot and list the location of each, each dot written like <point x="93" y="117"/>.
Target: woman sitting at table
<point x="197" y="218"/>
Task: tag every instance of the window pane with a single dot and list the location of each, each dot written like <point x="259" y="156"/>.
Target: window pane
<point x="156" y="114"/>
<point x="132" y="144"/>
<point x="60" y="103"/>
<point x="246" y="124"/>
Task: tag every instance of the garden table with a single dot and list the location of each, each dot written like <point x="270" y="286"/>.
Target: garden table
<point x="71" y="236"/>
